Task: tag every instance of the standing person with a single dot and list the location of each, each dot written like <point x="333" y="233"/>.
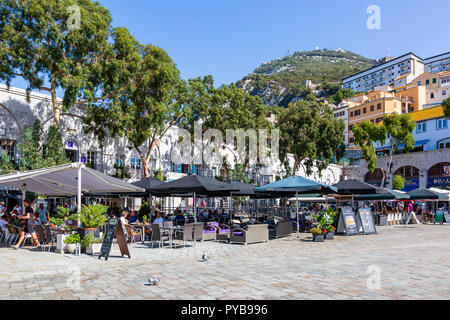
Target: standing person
<point x="27" y="223"/>
<point x="43" y="213"/>
<point x="124" y="221"/>
<point x="410" y="207"/>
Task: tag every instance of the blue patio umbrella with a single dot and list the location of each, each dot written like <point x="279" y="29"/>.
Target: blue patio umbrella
<point x="296" y="185"/>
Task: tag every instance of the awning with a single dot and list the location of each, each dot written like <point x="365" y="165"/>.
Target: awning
<point x="402" y="146"/>
<point x="63" y="181"/>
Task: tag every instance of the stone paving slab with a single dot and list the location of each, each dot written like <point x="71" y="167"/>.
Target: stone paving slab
<point x="396" y="263"/>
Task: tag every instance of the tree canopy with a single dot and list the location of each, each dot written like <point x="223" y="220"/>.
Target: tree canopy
<point x="394" y="130"/>
<point x="311" y="135"/>
<point x="146" y="101"/>
<point x="41" y="43"/>
<point x="446" y="105"/>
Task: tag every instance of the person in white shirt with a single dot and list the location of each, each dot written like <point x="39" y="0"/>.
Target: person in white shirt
<point x="18" y="208"/>
<point x="158" y="219"/>
<point x="3" y="222"/>
<point x="124" y="221"/>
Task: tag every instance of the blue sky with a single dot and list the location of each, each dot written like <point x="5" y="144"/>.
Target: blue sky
<point x="230" y="38"/>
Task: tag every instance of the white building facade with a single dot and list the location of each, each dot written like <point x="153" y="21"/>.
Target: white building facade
<point x="16" y="114"/>
<point x="408" y="66"/>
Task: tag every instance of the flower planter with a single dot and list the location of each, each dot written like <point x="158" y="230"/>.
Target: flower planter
<point x="329" y="235"/>
<point x="93" y="248"/>
<point x="318" y="238"/>
<point x="73" y="248"/>
<point x="60" y="245"/>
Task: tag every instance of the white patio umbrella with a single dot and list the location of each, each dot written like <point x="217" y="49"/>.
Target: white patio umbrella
<point x="67" y="180"/>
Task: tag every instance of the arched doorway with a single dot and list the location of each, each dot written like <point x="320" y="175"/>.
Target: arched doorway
<point x="411" y="176"/>
<point x="375" y="178"/>
<point x="439" y="176"/>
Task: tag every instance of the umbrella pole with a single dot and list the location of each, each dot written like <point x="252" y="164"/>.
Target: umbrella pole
<point x="231" y="207"/>
<point x="195" y="209"/>
<point x="298" y="224"/>
<point x="79" y="195"/>
<point x="23" y="198"/>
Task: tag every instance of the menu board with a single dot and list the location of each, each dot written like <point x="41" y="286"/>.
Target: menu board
<point x="113" y="228"/>
<point x="347" y="222"/>
<point x="447" y="217"/>
<point x="366" y="219"/>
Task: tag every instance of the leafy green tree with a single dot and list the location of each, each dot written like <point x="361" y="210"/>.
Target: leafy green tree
<point x="31" y="154"/>
<point x="6" y="166"/>
<point x="446" y="105"/>
<point x="398" y="183"/>
<point x="227" y="107"/>
<point x="44" y="43"/>
<point x="53" y="148"/>
<point x="311" y="135"/>
<point x="146" y="105"/>
<point x="39" y="150"/>
<point x="238" y="174"/>
<point x="341" y="95"/>
<point x="394" y="130"/>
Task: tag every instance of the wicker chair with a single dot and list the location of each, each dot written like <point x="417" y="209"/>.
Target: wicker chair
<point x="133" y="234"/>
<point x="188" y="233"/>
<point x="281" y="229"/>
<point x="254" y="233"/>
<point x="157" y="236"/>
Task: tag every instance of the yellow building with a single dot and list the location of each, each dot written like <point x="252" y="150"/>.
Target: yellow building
<point x="373" y="105"/>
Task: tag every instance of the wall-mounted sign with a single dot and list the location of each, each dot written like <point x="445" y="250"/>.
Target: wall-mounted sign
<point x="446" y="171"/>
<point x="439" y="182"/>
<point x="83" y="159"/>
<point x="2" y="132"/>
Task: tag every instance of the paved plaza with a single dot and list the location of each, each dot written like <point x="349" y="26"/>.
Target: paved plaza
<point x="397" y="263"/>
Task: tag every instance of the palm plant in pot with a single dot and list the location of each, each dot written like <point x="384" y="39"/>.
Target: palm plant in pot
<point x="93" y="217"/>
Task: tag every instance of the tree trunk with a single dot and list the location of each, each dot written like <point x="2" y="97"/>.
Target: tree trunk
<point x="388" y="171"/>
<point x="296" y="165"/>
<point x="56" y="107"/>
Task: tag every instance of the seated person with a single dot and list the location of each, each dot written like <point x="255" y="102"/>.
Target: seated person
<point x="4" y="220"/>
<point x="159" y="219"/>
<point x="133" y="217"/>
<point x="271" y="220"/>
<point x="179" y="218"/>
<point x="37" y="219"/>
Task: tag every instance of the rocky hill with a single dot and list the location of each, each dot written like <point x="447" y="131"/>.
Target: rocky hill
<point x="283" y="80"/>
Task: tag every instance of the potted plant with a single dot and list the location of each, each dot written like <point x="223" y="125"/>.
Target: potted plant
<point x="317" y="234"/>
<point x="93" y="217"/>
<point x="144" y="220"/>
<point x="73" y="243"/>
<point x="325" y="222"/>
<point x="91" y="245"/>
<point x="144" y="210"/>
<point x="329" y="235"/>
<point x="61" y="220"/>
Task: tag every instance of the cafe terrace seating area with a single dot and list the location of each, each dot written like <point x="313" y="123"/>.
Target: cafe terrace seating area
<point x="251" y="214"/>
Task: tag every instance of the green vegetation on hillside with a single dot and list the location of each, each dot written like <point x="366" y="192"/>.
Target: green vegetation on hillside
<point x="280" y="81"/>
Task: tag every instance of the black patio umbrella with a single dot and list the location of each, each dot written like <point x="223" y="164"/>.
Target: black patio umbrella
<point x="147" y="183"/>
<point x="353" y="187"/>
<point x="245" y="189"/>
<point x="197" y="185"/>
